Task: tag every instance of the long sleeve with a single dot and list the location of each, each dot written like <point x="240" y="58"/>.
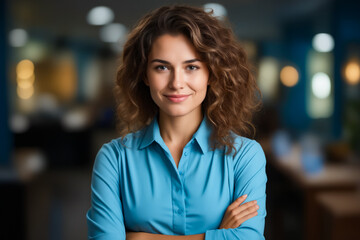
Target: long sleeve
<point x="105" y="217"/>
<point x="249" y="178"/>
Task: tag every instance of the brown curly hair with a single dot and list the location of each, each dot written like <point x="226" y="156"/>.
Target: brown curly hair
<point x="232" y="94"/>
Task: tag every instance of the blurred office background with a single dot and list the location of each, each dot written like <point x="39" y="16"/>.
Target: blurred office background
<point x="58" y="61"/>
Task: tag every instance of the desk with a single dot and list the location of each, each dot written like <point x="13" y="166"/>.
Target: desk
<point x="333" y="177"/>
<point x="340" y="214"/>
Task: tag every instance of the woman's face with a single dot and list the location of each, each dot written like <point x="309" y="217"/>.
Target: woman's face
<point x="176" y="76"/>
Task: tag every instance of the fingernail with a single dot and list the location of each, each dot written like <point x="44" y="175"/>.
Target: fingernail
<point x="254" y="201"/>
<point x="244" y="196"/>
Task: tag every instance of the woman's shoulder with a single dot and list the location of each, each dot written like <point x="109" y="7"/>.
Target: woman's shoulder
<point x="243" y="143"/>
<point x="131" y="140"/>
<point x="246" y="148"/>
<point x="111" y="152"/>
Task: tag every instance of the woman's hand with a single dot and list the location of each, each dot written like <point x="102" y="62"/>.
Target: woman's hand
<point x="135" y="236"/>
<point x="237" y="213"/>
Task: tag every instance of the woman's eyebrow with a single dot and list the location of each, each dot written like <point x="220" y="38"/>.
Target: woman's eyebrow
<point x="192" y="60"/>
<point x="160" y="61"/>
<point x="166" y="62"/>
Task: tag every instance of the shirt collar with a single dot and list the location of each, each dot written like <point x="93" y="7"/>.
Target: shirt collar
<point x="152" y="133"/>
<point x="202" y="135"/>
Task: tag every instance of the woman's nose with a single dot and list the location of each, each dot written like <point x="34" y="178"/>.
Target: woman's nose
<point x="177" y="79"/>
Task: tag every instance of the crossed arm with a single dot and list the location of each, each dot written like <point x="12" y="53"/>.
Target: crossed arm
<point x="234" y="216"/>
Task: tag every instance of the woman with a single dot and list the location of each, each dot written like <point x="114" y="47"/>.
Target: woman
<point x="181" y="166"/>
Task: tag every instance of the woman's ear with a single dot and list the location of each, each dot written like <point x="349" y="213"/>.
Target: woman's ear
<point x="146" y="81"/>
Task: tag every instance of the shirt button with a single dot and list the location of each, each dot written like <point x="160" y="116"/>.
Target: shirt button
<point x="181" y="173"/>
<point x="186" y="153"/>
<point x="179" y="211"/>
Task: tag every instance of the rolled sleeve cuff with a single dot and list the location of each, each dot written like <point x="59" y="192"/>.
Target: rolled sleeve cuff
<point x="233" y="234"/>
<point x="215" y="234"/>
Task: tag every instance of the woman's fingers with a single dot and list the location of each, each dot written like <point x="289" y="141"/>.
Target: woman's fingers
<point x="243" y="210"/>
<point x="246" y="208"/>
<point x="250" y="208"/>
<point x="238" y="212"/>
<point x="244" y="218"/>
<point x="237" y="202"/>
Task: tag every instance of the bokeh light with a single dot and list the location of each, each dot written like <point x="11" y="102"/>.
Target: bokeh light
<point x="75" y="119"/>
<point x="18" y="37"/>
<point x="321" y="85"/>
<point x="25" y="93"/>
<point x="25" y="79"/>
<point x="25" y="82"/>
<point x="100" y="15"/>
<point x="323" y="42"/>
<point x="25" y="69"/>
<point x="35" y="50"/>
<point x="289" y="76"/>
<point x="113" y="33"/>
<point x="19" y="123"/>
<point x="268" y="78"/>
<point x="218" y="9"/>
<point x="352" y="72"/>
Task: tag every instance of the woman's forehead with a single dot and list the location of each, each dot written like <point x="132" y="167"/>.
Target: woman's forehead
<point x="173" y="46"/>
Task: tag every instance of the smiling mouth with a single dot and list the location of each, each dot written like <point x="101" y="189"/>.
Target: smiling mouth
<point x="177" y="98"/>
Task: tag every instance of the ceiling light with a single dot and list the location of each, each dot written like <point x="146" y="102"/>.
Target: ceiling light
<point x="18" y="37"/>
<point x="100" y="15"/>
<point x="323" y="42"/>
<point x="218" y="9"/>
<point x="321" y="85"/>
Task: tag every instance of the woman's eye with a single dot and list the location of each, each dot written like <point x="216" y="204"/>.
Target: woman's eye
<point x="192" y="67"/>
<point x="161" y="68"/>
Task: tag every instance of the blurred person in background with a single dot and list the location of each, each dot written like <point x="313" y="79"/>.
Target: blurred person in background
<point x="182" y="164"/>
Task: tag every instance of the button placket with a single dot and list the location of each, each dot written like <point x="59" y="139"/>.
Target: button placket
<point x="179" y="208"/>
<point x="178" y="203"/>
<point x="184" y="162"/>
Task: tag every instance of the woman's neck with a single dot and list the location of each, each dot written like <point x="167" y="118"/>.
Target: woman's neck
<point x="179" y="130"/>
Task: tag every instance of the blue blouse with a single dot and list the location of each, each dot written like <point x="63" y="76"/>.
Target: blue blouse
<point x="137" y="187"/>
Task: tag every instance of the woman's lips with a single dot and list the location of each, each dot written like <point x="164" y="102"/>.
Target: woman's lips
<point x="177" y="98"/>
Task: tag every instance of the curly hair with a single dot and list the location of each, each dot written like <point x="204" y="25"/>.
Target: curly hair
<point x="232" y="94"/>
